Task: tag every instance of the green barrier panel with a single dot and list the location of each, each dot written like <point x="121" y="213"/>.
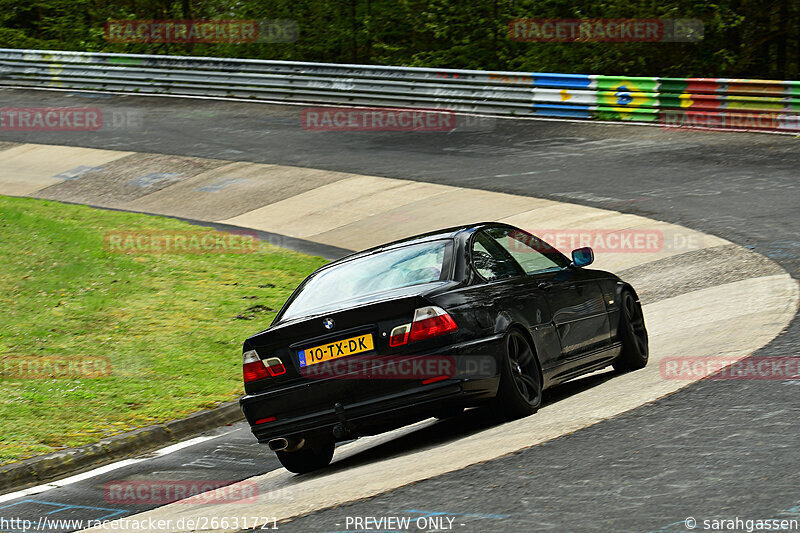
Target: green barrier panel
<point x="754" y="103"/>
<point x="626" y="114"/>
<point x="625" y="83"/>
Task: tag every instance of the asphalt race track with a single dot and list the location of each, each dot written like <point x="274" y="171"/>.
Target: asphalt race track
<point x="230" y="453"/>
<point x="716" y="449"/>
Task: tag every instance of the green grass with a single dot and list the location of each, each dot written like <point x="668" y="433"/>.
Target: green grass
<point x="167" y="323"/>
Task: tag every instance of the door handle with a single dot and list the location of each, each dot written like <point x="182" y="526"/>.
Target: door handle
<point x="544" y="285"/>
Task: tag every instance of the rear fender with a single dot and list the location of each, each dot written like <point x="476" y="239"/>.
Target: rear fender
<point x="507" y="322"/>
<point x="615" y="310"/>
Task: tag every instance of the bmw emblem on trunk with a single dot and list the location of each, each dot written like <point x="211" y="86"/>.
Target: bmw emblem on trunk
<point x="328" y="323"/>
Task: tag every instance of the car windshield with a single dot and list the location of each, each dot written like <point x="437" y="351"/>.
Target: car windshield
<point x="381" y="272"/>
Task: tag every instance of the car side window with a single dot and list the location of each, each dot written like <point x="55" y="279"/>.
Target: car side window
<point x="534" y="255"/>
<point x="490" y="260"/>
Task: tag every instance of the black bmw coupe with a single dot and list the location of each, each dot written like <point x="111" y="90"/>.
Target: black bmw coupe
<point x="427" y="326"/>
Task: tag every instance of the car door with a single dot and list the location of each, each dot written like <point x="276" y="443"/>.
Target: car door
<point x="506" y="294"/>
<point x="576" y="301"/>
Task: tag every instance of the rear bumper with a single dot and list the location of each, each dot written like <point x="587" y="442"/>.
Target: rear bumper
<point x="371" y="416"/>
<point x="303" y="408"/>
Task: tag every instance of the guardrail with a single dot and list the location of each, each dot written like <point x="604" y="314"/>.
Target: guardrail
<point x="675" y="102"/>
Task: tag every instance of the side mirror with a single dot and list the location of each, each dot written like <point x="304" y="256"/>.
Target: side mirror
<point x="582" y="257"/>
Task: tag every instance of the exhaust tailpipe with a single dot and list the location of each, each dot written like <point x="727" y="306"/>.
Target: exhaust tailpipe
<point x="285" y="444"/>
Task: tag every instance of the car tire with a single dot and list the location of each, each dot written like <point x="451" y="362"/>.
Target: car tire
<point x="633" y="334"/>
<point x="520" y="391"/>
<point x="309" y="458"/>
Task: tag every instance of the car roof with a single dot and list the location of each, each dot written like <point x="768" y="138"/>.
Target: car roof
<point x="446" y="233"/>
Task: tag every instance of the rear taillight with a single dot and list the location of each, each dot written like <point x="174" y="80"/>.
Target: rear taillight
<point x="255" y="369"/>
<point x="252" y="367"/>
<point x="428" y="322"/>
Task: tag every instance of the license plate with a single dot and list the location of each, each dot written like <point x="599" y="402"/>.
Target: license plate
<point x="334" y="350"/>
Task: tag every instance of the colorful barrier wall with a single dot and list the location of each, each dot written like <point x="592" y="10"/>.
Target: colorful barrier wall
<point x="718" y="103"/>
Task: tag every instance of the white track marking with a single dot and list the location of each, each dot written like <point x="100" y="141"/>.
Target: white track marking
<point x="107" y="468"/>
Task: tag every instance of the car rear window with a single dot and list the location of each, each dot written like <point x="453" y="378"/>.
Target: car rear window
<point x="377" y="273"/>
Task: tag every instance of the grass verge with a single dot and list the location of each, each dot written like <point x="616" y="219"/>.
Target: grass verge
<point x="151" y="336"/>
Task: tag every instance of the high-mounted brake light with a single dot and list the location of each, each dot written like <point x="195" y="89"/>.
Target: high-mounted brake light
<point x="254" y="368"/>
<point x="430" y="321"/>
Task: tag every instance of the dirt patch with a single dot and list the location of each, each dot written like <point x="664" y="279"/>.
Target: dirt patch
<point x="119" y="182"/>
